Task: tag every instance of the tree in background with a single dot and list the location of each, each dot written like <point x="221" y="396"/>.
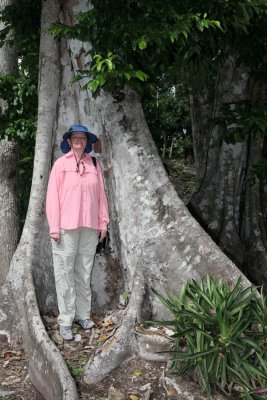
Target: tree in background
<point x="9" y="228"/>
<point x="168" y="116"/>
<point x="19" y="90"/>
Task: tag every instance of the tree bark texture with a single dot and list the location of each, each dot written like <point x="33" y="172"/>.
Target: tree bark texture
<point x="227" y="203"/>
<point x="9" y="205"/>
<point x="19" y="310"/>
<point x="9" y="211"/>
<point x="161" y="245"/>
<point x="8" y="54"/>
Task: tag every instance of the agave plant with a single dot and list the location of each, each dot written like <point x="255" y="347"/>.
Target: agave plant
<point x="220" y="335"/>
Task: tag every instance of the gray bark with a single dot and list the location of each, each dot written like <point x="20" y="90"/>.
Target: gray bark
<point x="227" y="204"/>
<point x="9" y="210"/>
<point x="161" y="245"/>
<point x="8" y="54"/>
<point x="19" y="310"/>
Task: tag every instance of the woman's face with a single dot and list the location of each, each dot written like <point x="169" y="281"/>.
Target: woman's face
<point x="78" y="141"/>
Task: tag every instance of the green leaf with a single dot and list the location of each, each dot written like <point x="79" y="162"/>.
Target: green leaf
<point x="137" y="372"/>
<point x="142" y="43"/>
<point x="254" y="370"/>
<point x="181" y="356"/>
<point x="141" y="75"/>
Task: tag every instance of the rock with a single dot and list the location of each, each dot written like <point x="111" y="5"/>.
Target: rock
<point x="146" y="387"/>
<point x="78" y="337"/>
<point x="57" y="339"/>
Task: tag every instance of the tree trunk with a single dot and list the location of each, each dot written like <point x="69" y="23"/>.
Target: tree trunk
<point x="9" y="210"/>
<point x="8" y="54"/>
<point x="228" y="205"/>
<point x="19" y="314"/>
<point x="155" y="241"/>
<point x="161" y="245"/>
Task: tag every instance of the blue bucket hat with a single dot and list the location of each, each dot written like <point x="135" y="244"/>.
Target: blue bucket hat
<point x="65" y="147"/>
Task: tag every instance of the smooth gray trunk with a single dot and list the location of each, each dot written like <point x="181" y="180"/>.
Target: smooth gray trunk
<point x="9" y="204"/>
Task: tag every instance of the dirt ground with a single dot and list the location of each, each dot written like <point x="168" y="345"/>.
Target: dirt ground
<point x="136" y="379"/>
<point x="14" y="378"/>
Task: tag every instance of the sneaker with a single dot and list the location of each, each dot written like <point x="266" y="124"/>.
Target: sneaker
<point x="85" y="323"/>
<point x="65" y="332"/>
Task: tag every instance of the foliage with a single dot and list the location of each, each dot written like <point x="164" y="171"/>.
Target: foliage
<point x="168" y="116"/>
<point x="18" y="122"/>
<point x="220" y="334"/>
<point x="237" y="122"/>
<point x="145" y="40"/>
<point x="22" y="29"/>
<point x="19" y="93"/>
<point x="174" y="41"/>
<point x="76" y="365"/>
<point x="240" y="119"/>
<point x="259" y="170"/>
<point x="167" y="38"/>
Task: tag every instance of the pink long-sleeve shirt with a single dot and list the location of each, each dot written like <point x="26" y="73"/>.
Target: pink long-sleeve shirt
<point x="75" y="200"/>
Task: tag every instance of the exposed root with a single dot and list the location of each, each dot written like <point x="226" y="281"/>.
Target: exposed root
<point x="123" y="344"/>
<point x="118" y="348"/>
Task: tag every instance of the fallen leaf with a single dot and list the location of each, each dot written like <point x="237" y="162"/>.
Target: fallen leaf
<point x="108" y="322"/>
<point x="171" y="391"/>
<point x="17" y="372"/>
<point x="137" y="372"/>
<point x="10" y="380"/>
<point x="5" y="364"/>
<point x="11" y="354"/>
<point x="134" y="397"/>
<point x="102" y="338"/>
<point x="114" y="394"/>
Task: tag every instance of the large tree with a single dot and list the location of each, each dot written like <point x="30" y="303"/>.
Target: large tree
<point x="218" y="49"/>
<point x="9" y="207"/>
<point x="230" y="202"/>
<point x="154" y="239"/>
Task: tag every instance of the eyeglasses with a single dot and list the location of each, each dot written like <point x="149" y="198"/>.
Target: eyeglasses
<point x="79" y="139"/>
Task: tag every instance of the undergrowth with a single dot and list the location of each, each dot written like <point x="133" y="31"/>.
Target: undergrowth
<point x="220" y="336"/>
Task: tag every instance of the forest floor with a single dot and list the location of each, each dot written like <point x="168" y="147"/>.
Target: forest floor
<point x="137" y="379"/>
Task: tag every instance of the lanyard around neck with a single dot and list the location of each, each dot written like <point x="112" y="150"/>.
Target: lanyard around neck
<point x="78" y="163"/>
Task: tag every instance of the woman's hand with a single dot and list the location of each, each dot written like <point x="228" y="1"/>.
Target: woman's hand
<point x="55" y="237"/>
<point x="102" y="235"/>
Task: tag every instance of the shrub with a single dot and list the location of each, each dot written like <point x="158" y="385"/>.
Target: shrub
<point x="220" y="336"/>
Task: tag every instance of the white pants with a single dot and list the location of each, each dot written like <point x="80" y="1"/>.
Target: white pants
<point x="73" y="260"/>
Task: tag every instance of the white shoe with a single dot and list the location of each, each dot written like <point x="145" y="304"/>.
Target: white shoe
<point x="65" y="332"/>
<point x="85" y="323"/>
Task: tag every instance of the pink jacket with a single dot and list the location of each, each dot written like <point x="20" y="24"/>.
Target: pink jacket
<point x="75" y="200"/>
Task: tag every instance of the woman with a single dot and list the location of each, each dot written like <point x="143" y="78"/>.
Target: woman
<point x="77" y="213"/>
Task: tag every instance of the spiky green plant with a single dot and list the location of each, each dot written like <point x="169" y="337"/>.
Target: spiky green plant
<point x="220" y="335"/>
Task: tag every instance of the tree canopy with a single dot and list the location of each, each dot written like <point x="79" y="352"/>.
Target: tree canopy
<point x="147" y="39"/>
